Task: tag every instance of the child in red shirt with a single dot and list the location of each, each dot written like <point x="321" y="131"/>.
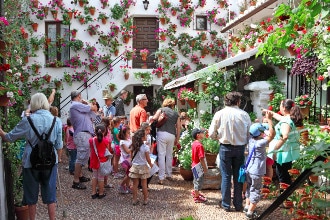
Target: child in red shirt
<point x="102" y="145"/>
<point x="198" y="155"/>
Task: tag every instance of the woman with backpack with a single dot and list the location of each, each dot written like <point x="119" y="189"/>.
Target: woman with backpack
<point x="33" y="177"/>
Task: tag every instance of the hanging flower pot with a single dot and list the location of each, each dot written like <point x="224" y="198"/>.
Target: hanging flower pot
<point x="54" y="13"/>
<point x="162" y="21"/>
<point x="182" y="101"/>
<point x="48" y="41"/>
<point x="253" y="3"/>
<point x="104" y="20"/>
<point x="46" y="9"/>
<point x="112" y="88"/>
<point x="163" y="37"/>
<point x="35" y="27"/>
<point x="192" y="103"/>
<point x="25" y="35"/>
<point x="35" y="3"/>
<point x="92" y="10"/>
<point x="116" y="52"/>
<point x="204" y="86"/>
<point x="70" y="14"/>
<point x="203" y="36"/>
<point x="26" y="59"/>
<point x="92" y="67"/>
<point x="82" y="20"/>
<point x="222" y="4"/>
<point x="125" y="39"/>
<point x="305" y="111"/>
<point x="144" y="57"/>
<point x="74" y="33"/>
<point x="126" y="76"/>
<point x="173" y="12"/>
<point x="291" y="51"/>
<point x="81" y="3"/>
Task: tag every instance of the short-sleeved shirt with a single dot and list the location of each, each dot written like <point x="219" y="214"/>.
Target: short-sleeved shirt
<point x="101" y="148"/>
<point x="42" y="120"/>
<point x="115" y="132"/>
<point x="120" y="109"/>
<point x="69" y="138"/>
<point x="123" y="154"/>
<point x="197" y="152"/>
<point x="140" y="157"/>
<point x="137" y="116"/>
<point x="81" y="117"/>
<point x="257" y="165"/>
<point x="109" y="110"/>
<point x="170" y="124"/>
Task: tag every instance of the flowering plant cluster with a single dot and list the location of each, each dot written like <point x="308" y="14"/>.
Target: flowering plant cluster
<point x="129" y="53"/>
<point x="185" y="67"/>
<point x="74" y="62"/>
<point x="90" y="50"/>
<point x="4" y="21"/>
<point x="194" y="58"/>
<point x="303" y="101"/>
<point x="104" y="3"/>
<point x="106" y="59"/>
<point x="211" y="15"/>
<point x="158" y="70"/>
<point x="92" y="29"/>
<point x="165" y="3"/>
<point x="4" y="67"/>
<point x="127" y="3"/>
<point x="93" y="61"/>
<point x="125" y="69"/>
<point x="221" y="22"/>
<point x="40" y="14"/>
<point x="144" y="52"/>
<point x="182" y="93"/>
<point x="184" y="19"/>
<point x="80" y="76"/>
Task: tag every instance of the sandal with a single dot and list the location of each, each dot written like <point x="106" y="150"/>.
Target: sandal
<point x="108" y="186"/>
<point x="136" y="202"/>
<point x="78" y="186"/>
<point x="95" y="196"/>
<point x="84" y="179"/>
<point x="102" y="196"/>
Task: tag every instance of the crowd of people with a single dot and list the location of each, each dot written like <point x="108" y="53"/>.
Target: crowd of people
<point x="94" y="135"/>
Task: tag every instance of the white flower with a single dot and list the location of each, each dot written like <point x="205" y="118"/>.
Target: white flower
<point x="10" y="94"/>
<point x="9" y="71"/>
<point x="18" y="74"/>
<point x="216" y="84"/>
<point x="202" y="112"/>
<point x="324" y="87"/>
<point x="216" y="98"/>
<point x="208" y="78"/>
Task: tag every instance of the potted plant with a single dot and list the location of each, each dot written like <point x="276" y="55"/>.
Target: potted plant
<point x="145" y="77"/>
<point x="274" y="104"/>
<point x="305" y="66"/>
<point x="211" y="148"/>
<point x="144" y="53"/>
<point x="129" y="98"/>
<point x="76" y="44"/>
<point x="112" y="87"/>
<point x="184" y="155"/>
<point x="103" y="17"/>
<point x="93" y="29"/>
<point x="117" y="11"/>
<point x="129" y="53"/>
<point x="35" y="67"/>
<point x="304" y="102"/>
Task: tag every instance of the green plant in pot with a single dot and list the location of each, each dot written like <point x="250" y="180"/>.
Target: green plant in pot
<point x="211" y="148"/>
<point x="117" y="11"/>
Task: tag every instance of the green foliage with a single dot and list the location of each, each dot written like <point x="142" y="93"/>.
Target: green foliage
<point x="253" y="116"/>
<point x="276" y="85"/>
<point x="76" y="44"/>
<point x="274" y="104"/>
<point x="145" y="77"/>
<point x="211" y="146"/>
<point x="117" y="11"/>
<point x="205" y="119"/>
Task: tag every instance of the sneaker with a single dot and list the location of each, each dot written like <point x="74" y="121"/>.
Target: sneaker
<point x="122" y="190"/>
<point x="83" y="179"/>
<point x="200" y="199"/>
<point x="118" y="175"/>
<point x="129" y="190"/>
<point x="78" y="186"/>
<point x="108" y="186"/>
<point x="245" y="210"/>
<point x="67" y="167"/>
<point x="252" y="216"/>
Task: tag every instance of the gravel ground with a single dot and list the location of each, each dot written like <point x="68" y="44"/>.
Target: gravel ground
<point x="169" y="201"/>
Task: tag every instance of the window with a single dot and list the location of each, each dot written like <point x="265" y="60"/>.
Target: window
<point x="57" y="48"/>
<point x="201" y="22"/>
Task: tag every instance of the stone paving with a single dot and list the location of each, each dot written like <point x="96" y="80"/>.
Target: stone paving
<point x="169" y="201"/>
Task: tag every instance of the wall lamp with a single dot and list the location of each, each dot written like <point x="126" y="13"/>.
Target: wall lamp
<point x="145" y="4"/>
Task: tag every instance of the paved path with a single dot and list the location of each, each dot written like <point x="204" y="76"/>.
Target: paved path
<point x="169" y="201"/>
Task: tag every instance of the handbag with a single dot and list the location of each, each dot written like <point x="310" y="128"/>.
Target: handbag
<point x="161" y="119"/>
<point x="242" y="169"/>
<point x="105" y="167"/>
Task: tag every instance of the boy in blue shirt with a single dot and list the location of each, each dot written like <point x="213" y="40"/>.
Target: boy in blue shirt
<point x="257" y="167"/>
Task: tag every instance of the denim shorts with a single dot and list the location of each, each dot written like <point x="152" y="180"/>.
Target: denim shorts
<point x="198" y="183"/>
<point x="81" y="140"/>
<point x="32" y="179"/>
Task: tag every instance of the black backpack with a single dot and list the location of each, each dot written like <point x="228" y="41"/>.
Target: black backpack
<point x="43" y="155"/>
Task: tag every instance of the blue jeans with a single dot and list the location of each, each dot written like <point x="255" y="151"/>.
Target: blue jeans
<point x="73" y="158"/>
<point x="231" y="158"/>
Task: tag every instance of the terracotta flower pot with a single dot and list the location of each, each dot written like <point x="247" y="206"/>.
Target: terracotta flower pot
<point x="35" y="27"/>
<point x="126" y="76"/>
<point x="144" y="57"/>
<point x="92" y="11"/>
<point x="74" y="33"/>
<point x="305" y="111"/>
<point x="182" y="101"/>
<point x="192" y="103"/>
<point x="173" y="12"/>
<point x="222" y="4"/>
<point x="162" y="21"/>
<point x="211" y="158"/>
<point x="125" y="39"/>
<point x="104" y="20"/>
<point x="82" y="20"/>
<point x="70" y="14"/>
<point x="22" y="212"/>
<point x="186" y="174"/>
<point x="81" y="3"/>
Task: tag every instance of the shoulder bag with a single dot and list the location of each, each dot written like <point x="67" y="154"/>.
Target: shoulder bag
<point x="242" y="169"/>
<point x="105" y="167"/>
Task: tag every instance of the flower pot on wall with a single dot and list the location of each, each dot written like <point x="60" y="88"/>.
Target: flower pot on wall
<point x="192" y="103"/>
<point x="92" y="11"/>
<point x="54" y="13"/>
<point x="182" y="101"/>
<point x="34" y="27"/>
<point x="70" y="14"/>
<point x="126" y="76"/>
<point x="162" y="21"/>
<point x="211" y="158"/>
<point x="81" y="3"/>
<point x="104" y="20"/>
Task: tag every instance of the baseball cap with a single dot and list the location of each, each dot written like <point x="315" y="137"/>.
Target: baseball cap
<point x="74" y="94"/>
<point x="196" y="131"/>
<point x="256" y="129"/>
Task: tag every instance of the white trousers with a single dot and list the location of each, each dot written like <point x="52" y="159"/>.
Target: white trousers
<point x="165" y="143"/>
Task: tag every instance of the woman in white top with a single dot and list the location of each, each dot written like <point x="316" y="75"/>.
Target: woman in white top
<point x="125" y="157"/>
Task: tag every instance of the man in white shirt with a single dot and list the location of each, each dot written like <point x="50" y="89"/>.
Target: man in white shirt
<point x="231" y="127"/>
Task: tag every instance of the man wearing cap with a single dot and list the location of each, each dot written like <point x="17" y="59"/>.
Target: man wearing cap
<point x="231" y="127"/>
<point x="138" y="114"/>
<point x="108" y="109"/>
<point x="119" y="103"/>
<point x="81" y="116"/>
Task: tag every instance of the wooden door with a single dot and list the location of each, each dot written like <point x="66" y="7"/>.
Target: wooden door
<point x="150" y="94"/>
<point x="145" y="39"/>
